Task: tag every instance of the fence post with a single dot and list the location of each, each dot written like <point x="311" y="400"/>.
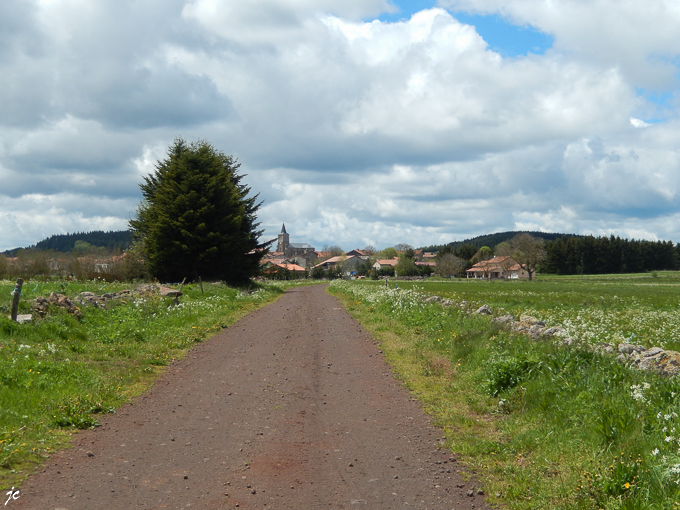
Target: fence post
<point x="16" y="294"/>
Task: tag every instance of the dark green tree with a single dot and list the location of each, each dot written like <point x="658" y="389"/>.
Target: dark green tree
<point x="197" y="218"/>
<point x="406" y="265"/>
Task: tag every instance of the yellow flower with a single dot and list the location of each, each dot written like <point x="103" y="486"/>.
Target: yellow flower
<point x="626" y="485"/>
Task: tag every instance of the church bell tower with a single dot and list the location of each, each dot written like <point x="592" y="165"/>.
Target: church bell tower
<point x="283" y="243"/>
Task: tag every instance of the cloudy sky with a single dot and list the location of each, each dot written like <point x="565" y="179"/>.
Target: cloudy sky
<point x="358" y="121"/>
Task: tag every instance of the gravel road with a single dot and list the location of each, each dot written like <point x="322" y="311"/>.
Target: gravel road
<point x="293" y="407"/>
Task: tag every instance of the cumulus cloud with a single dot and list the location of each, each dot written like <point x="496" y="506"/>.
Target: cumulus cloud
<point x="354" y="132"/>
<point x="641" y="39"/>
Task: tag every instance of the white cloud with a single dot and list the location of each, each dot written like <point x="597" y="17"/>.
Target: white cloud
<point x="639" y="38"/>
<point x="637" y="123"/>
<point x="353" y="132"/>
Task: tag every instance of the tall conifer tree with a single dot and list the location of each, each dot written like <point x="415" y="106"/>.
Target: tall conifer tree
<point x="197" y="219"/>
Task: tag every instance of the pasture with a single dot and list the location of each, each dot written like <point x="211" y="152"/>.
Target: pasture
<point x="543" y="425"/>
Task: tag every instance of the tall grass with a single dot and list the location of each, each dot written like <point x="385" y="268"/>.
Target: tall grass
<point x="544" y="426"/>
<point x="58" y="373"/>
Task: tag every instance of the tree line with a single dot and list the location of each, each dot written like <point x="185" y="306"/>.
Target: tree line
<point x="608" y="255"/>
<point x="115" y="241"/>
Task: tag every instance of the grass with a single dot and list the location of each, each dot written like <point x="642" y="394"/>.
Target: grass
<point x="57" y="374"/>
<point x="542" y="426"/>
<point x="641" y="308"/>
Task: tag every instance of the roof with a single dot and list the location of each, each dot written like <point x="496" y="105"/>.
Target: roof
<point x="301" y="245"/>
<point x="283" y="229"/>
<point x="387" y="262"/>
<point x="290" y="267"/>
<point x="337" y="259"/>
<point x="495" y="263"/>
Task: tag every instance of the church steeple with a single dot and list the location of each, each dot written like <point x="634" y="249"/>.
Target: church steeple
<point x="283" y="243"/>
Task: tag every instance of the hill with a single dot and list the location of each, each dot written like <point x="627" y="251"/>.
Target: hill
<point x="119" y="240"/>
<point x="492" y="240"/>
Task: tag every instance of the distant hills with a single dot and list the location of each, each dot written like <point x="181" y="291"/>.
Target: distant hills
<point x="121" y="241"/>
<point x="492" y="240"/>
<point x="114" y="241"/>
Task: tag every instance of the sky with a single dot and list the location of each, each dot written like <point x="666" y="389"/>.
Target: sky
<point x="358" y="122"/>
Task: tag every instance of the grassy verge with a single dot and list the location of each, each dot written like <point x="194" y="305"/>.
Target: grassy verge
<point x="542" y="426"/>
<point x="58" y="373"/>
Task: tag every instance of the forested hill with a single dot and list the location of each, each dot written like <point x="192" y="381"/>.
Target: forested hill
<point x="492" y="240"/>
<point x="119" y="240"/>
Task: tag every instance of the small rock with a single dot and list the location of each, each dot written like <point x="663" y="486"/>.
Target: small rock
<point x="630" y="348"/>
<point x="483" y="310"/>
<point x="653" y="351"/>
<point x="555" y="330"/>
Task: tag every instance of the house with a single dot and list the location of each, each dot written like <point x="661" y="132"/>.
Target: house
<point x="497" y="268"/>
<point x="362" y="254"/>
<point x="384" y="264"/>
<point x="323" y="255"/>
<point x="348" y="263"/>
<point x="299" y="271"/>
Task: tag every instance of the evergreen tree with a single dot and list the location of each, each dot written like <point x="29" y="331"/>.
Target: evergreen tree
<point x="197" y="218"/>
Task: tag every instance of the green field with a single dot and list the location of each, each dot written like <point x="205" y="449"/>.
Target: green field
<point x="594" y="309"/>
<point x="57" y="374"/>
<point x="542" y="425"/>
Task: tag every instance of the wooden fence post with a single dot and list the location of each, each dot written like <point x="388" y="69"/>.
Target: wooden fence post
<point x="16" y="294"/>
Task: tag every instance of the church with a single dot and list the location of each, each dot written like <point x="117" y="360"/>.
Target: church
<point x="297" y="251"/>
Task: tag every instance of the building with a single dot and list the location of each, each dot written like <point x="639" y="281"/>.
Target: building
<point x="303" y="254"/>
<point x="497" y="267"/>
<point x="384" y="264"/>
<point x="348" y="263"/>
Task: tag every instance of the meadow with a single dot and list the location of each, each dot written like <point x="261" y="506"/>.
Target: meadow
<point x="59" y="373"/>
<point x="540" y="424"/>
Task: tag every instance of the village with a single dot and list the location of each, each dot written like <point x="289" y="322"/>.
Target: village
<point x="301" y="260"/>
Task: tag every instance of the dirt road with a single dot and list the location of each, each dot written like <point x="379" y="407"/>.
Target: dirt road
<point x="293" y="407"/>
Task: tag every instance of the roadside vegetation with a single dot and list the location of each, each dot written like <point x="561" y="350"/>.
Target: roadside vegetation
<point x="59" y="373"/>
<point x="540" y="424"/>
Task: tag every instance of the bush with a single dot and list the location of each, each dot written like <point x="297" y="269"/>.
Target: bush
<point x="506" y="372"/>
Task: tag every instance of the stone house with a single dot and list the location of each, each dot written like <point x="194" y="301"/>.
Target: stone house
<point x="497" y="268"/>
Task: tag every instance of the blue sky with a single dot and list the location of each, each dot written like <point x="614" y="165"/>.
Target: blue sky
<point x="452" y="122"/>
<point x="501" y="35"/>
